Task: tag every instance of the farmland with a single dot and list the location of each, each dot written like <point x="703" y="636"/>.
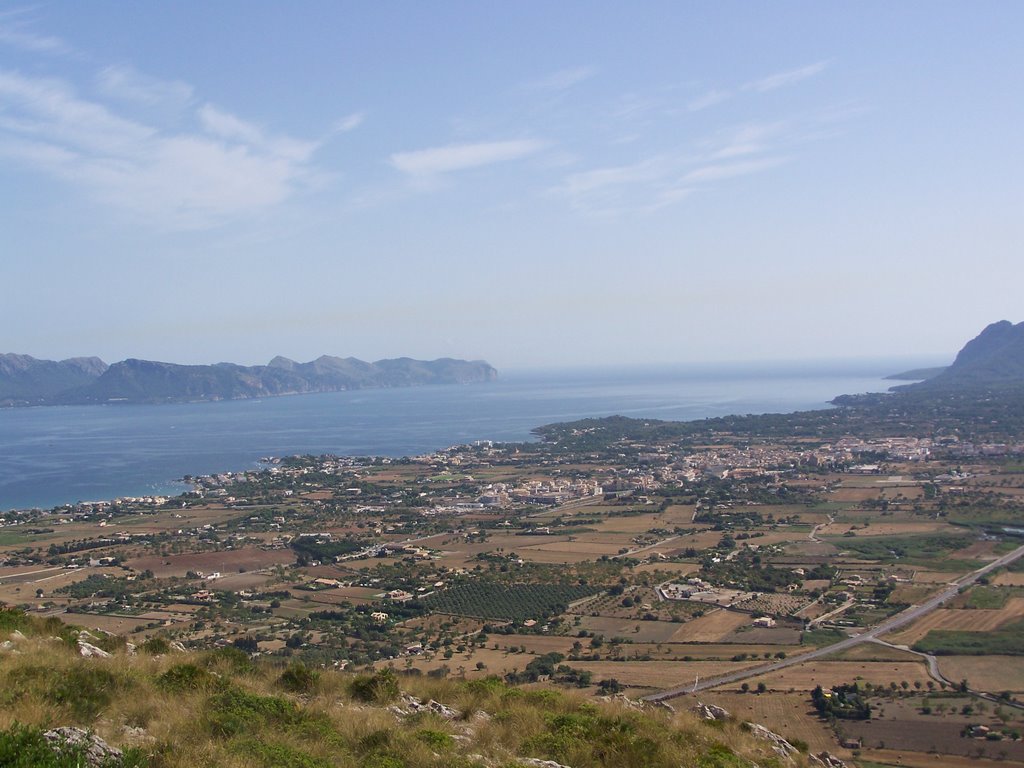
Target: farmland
<point x="484" y="560"/>
<point x="514" y="602"/>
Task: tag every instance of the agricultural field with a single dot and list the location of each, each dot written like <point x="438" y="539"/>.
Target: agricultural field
<point x="435" y="582"/>
<point x="960" y="620"/>
<point x="985" y="673"/>
<point x="804" y="677"/>
<point x="788" y="714"/>
<point x="935" y="724"/>
<point x="515" y="602"/>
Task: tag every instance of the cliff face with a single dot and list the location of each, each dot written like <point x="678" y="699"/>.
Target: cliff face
<point x="26" y="381"/>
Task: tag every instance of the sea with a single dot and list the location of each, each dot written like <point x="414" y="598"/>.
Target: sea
<point x="57" y="455"/>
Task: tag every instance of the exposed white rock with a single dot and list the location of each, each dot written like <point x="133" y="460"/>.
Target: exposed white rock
<point x="827" y="760"/>
<point x="536" y="763"/>
<point x="781" y="747"/>
<point x="89" y="651"/>
<point x="411" y="705"/>
<point x="97" y="751"/>
<point x="711" y="711"/>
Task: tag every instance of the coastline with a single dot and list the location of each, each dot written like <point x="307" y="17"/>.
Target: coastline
<point x="63" y="455"/>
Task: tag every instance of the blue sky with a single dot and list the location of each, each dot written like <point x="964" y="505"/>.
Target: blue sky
<point x="529" y="183"/>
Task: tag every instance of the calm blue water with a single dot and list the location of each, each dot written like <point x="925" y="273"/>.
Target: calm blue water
<point x="57" y="455"/>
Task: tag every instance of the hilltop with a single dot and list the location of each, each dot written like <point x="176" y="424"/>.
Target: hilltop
<point x="994" y="359"/>
<point x="25" y="380"/>
<point x="160" y="705"/>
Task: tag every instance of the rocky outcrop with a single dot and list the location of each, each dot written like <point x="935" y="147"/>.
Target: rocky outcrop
<point x="779" y="745"/>
<point x="95" y="751"/>
<point x="827" y="760"/>
<point x="410" y="705"/>
<point x="90" y="651"/>
<point x="711" y="712"/>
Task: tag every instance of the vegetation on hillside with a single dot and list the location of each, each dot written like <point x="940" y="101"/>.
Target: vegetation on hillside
<point x="219" y="708"/>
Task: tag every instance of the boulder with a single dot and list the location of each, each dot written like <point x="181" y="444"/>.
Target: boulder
<point x="90" y="651"/>
<point x="409" y="705"/>
<point x="711" y="712"/>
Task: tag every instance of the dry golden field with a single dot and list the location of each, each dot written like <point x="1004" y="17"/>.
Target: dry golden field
<point x="875" y="652"/>
<point x="1007" y="579"/>
<point x="965" y="620"/>
<point x="884" y="529"/>
<point x="788" y="714"/>
<point x="228" y="561"/>
<point x="711" y="627"/>
<point x="658" y="674"/>
<point x="804" y="677"/>
<point x="986" y="673"/>
<point x="909" y="759"/>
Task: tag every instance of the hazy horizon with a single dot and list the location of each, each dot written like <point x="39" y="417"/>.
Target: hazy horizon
<point x="534" y="185"/>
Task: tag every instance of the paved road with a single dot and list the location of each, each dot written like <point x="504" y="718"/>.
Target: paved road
<point x="911" y="614"/>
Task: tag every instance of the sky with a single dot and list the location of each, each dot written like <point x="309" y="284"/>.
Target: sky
<point x="534" y="184"/>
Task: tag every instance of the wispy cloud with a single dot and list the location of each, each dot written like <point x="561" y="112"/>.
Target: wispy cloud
<point x="459" y="157"/>
<point x="16" y="32"/>
<point x="720" y="171"/>
<point x="562" y="79"/>
<point x="663" y="179"/>
<point x="782" y="79"/>
<point x="127" y="84"/>
<point x="709" y="99"/>
<point x="224" y="168"/>
<point x="349" y="122"/>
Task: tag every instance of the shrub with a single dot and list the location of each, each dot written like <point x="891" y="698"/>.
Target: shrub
<point x="238" y="660"/>
<point x="83" y="690"/>
<point x="378" y="688"/>
<point x="233" y="712"/>
<point x="12" y="619"/>
<point x="278" y="755"/>
<point x="298" y="678"/>
<point x="438" y="740"/>
<point x="185" y="677"/>
<point x="156" y="645"/>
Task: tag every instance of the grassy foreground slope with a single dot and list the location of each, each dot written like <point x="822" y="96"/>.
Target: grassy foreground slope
<point x="221" y="709"/>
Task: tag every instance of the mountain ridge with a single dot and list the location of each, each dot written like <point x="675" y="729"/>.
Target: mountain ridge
<point x="994" y="359"/>
<point x="24" y="380"/>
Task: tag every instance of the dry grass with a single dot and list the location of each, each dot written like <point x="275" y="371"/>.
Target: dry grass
<point x="804" y="677"/>
<point x="986" y="673"/>
<point x="788" y="714"/>
<point x="219" y="714"/>
<point x="711" y="627"/>
<point x="964" y="620"/>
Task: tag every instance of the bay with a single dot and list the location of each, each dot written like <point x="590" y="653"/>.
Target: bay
<point x="57" y="455"/>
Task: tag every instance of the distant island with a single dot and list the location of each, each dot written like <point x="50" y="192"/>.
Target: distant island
<point x="26" y="381"/>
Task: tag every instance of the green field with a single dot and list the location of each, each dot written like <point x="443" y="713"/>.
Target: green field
<point x="1006" y="641"/>
<point x="914" y="549"/>
<point x="515" y="602"/>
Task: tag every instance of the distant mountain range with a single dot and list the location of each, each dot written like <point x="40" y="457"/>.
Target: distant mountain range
<point x="992" y="360"/>
<point x="25" y="380"/>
